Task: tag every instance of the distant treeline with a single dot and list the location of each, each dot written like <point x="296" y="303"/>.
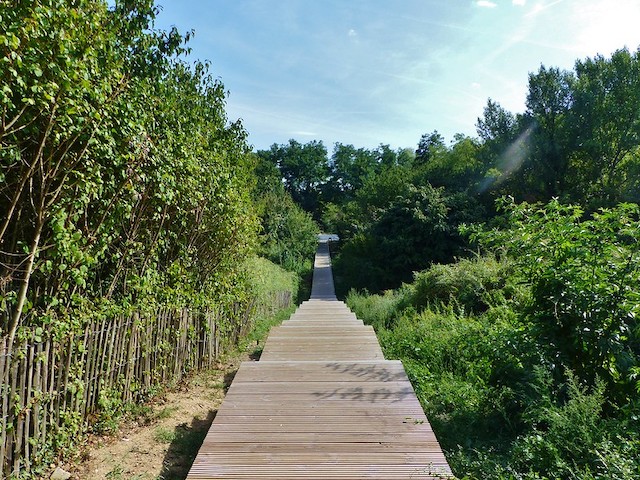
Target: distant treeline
<point x="398" y="211"/>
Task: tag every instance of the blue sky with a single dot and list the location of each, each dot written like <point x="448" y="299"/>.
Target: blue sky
<point x="366" y="72"/>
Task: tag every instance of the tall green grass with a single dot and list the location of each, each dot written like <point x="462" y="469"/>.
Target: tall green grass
<point x="265" y="278"/>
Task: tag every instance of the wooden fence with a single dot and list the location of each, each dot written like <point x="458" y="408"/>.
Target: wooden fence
<point x="52" y="388"/>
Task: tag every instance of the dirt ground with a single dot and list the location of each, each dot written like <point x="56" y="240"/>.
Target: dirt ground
<point x="163" y="444"/>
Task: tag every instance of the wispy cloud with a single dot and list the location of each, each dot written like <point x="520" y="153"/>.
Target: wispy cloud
<point x="304" y="133"/>
<point x="541" y="7"/>
<point x="366" y="73"/>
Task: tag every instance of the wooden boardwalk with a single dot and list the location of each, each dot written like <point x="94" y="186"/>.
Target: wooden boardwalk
<point x="322" y="403"/>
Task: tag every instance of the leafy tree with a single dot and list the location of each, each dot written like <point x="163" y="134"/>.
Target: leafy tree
<point x="497" y="124"/>
<point x="343" y="219"/>
<point x="416" y="228"/>
<point x="304" y="169"/>
<point x="498" y="130"/>
<point x="548" y="107"/>
<point x="606" y="116"/>
<point x="456" y="168"/>
<point x="430" y="145"/>
<point x="289" y="234"/>
<point x="121" y="177"/>
<point x="63" y="71"/>
<point x="411" y="233"/>
<point x="350" y="168"/>
<point x="268" y="178"/>
<point x="380" y="190"/>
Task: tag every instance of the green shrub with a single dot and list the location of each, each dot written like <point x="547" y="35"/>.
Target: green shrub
<point x="377" y="310"/>
<point x="583" y="273"/>
<point x="415" y="227"/>
<point x="568" y="436"/>
<point x="473" y="285"/>
<point x="289" y="234"/>
<point x="499" y="409"/>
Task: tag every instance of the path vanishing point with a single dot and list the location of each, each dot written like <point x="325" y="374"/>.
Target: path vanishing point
<point x="322" y="403"/>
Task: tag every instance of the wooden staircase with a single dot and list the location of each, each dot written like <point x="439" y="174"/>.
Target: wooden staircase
<point x="322" y="403"/>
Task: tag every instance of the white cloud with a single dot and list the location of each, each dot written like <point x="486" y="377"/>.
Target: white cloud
<point x="486" y="4"/>
<point x="353" y="33"/>
<point x="603" y="28"/>
<point x="520" y="3"/>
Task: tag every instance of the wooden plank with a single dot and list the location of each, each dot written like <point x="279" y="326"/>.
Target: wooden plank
<point x="317" y="329"/>
<point x="321" y="323"/>
<point x="318" y="471"/>
<point x="325" y="421"/>
<point x="353" y="458"/>
<point x="361" y="428"/>
<point x="334" y="388"/>
<point x="389" y="370"/>
<point x="325" y="340"/>
<point x="327" y="451"/>
<point x="311" y="337"/>
<point x="331" y="342"/>
<point x="318" y="409"/>
<point x="337" y="356"/>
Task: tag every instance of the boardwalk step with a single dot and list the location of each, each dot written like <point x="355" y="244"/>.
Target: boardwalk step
<point x="322" y="403"/>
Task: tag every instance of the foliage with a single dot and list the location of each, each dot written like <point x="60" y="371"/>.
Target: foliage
<point x="473" y="285"/>
<point x="606" y="123"/>
<point x="584" y="275"/>
<point x="350" y="167"/>
<point x="499" y="410"/>
<point x="430" y="145"/>
<point x="548" y="108"/>
<point x="417" y="228"/>
<point x="123" y="188"/>
<point x="266" y="278"/>
<point x="289" y="234"/>
<point x="457" y="168"/>
<point x="578" y="138"/>
<point x="304" y="168"/>
<point x="122" y="178"/>
<point x="111" y="410"/>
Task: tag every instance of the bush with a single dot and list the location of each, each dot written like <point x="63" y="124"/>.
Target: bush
<point x="584" y="275"/>
<point x="415" y="229"/>
<point x="499" y="406"/>
<point x="473" y="285"/>
<point x="377" y="310"/>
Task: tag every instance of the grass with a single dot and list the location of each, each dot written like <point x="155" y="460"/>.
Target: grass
<point x="254" y="341"/>
<point x="166" y="412"/>
<point x="164" y="435"/>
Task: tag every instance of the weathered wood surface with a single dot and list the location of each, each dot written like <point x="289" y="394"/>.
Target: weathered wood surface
<point x="322" y="403"/>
